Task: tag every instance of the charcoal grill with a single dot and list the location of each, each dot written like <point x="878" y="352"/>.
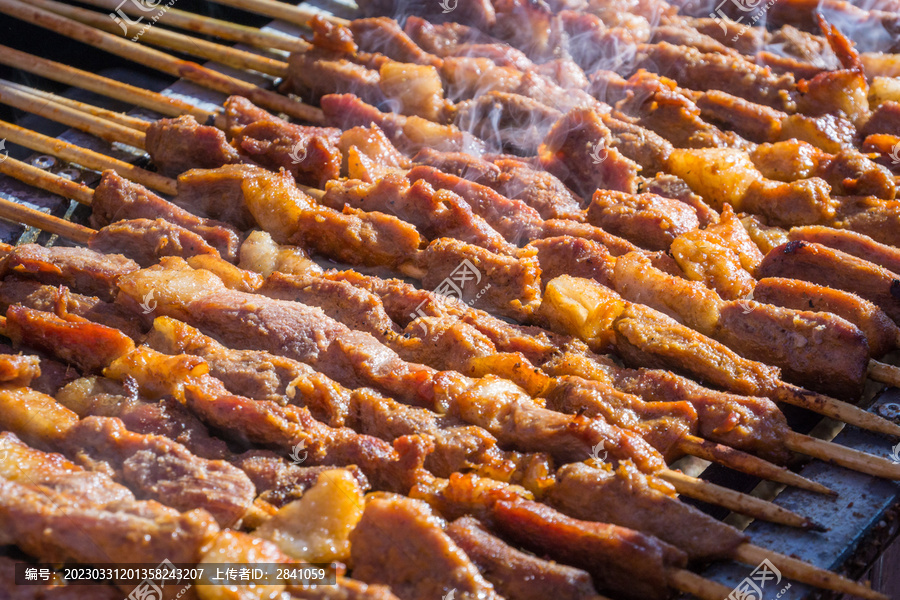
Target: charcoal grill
<point x="863" y="521"/>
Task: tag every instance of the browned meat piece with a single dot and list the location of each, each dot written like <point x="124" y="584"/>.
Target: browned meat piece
<point x="240" y="112"/>
<point x="177" y="145"/>
<point x="756" y="122"/>
<point x="287" y="428"/>
<point x="479" y="14"/>
<point x="881" y="333"/>
<point x="668" y="112"/>
<point x="435" y="214"/>
<point x="217" y="194"/>
<point x="442" y="39"/>
<point x="310" y="154"/>
<point x="18" y="370"/>
<point x="530" y="27"/>
<point x="647" y="220"/>
<point x="670" y="186"/>
<point x="117" y="198"/>
<point x="628" y="499"/>
<point x="383" y="35"/>
<point x="688" y="36"/>
<point x="832" y="268"/>
<point x="146" y="241"/>
<point x="537" y="188"/>
<point x="510" y="286"/>
<point x="400" y="543"/>
<point x="574" y="256"/>
<point x="885" y="120"/>
<point x="613" y="243"/>
<point x="332" y="36"/>
<point x="281" y="481"/>
<point x="644" y="146"/>
<point x="853" y="243"/>
<point x="506" y="121"/>
<point x="500" y="54"/>
<point x="53" y="374"/>
<point x="876" y="218"/>
<point x="704" y="71"/>
<point x="102" y="397"/>
<point x="63" y="514"/>
<point x="351" y="236"/>
<point x="48" y="298"/>
<point x="347" y="110"/>
<point x="81" y="269"/>
<point x="157" y="468"/>
<point x="460" y="164"/>
<point x="621" y="560"/>
<point x="819" y="351"/>
<point x="316" y="72"/>
<point x="578" y="151"/>
<point x="515" y="574"/>
<point x="87" y="345"/>
<point x="513" y="219"/>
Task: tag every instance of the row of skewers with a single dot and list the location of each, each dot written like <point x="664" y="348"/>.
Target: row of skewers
<point x="578" y="398"/>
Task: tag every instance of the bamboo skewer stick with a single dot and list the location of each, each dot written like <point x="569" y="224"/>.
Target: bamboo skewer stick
<point x="835" y="409"/>
<point x="884" y="373"/>
<point x="105" y="130"/>
<point x="739" y="502"/>
<point x="226" y="55"/>
<point x="19" y="213"/>
<point x="109" y="115"/>
<point x="691" y="583"/>
<point x="804" y="573"/>
<point x="41" y="179"/>
<point x="279" y="10"/>
<point x="225" y="30"/>
<point x="86" y="158"/>
<point x="843" y="456"/>
<point x="161" y="61"/>
<point x="747" y="463"/>
<point x="101" y="85"/>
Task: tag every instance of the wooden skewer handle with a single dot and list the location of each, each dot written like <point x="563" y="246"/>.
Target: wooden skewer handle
<point x="884" y="373"/>
<point x="691" y="583"/>
<point x="833" y="408"/>
<point x="101" y="85"/>
<point x="86" y="158"/>
<point x="39" y="178"/>
<point x="805" y="573"/>
<point x="280" y="10"/>
<point x="105" y="130"/>
<point x="225" y="30"/>
<point x="747" y="463"/>
<point x="19" y="213"/>
<point x="160" y="60"/>
<point x="736" y="501"/>
<point x="843" y="456"/>
<point x="239" y="59"/>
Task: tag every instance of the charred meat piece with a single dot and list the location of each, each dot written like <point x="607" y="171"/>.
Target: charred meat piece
<point x="832" y="268"/>
<point x="401" y="543"/>
<point x="116" y="199"/>
<point x="515" y="574"/>
<point x="578" y="151"/>
<point x="880" y="331"/>
<point x="647" y="220"/>
<point x="177" y="145"/>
